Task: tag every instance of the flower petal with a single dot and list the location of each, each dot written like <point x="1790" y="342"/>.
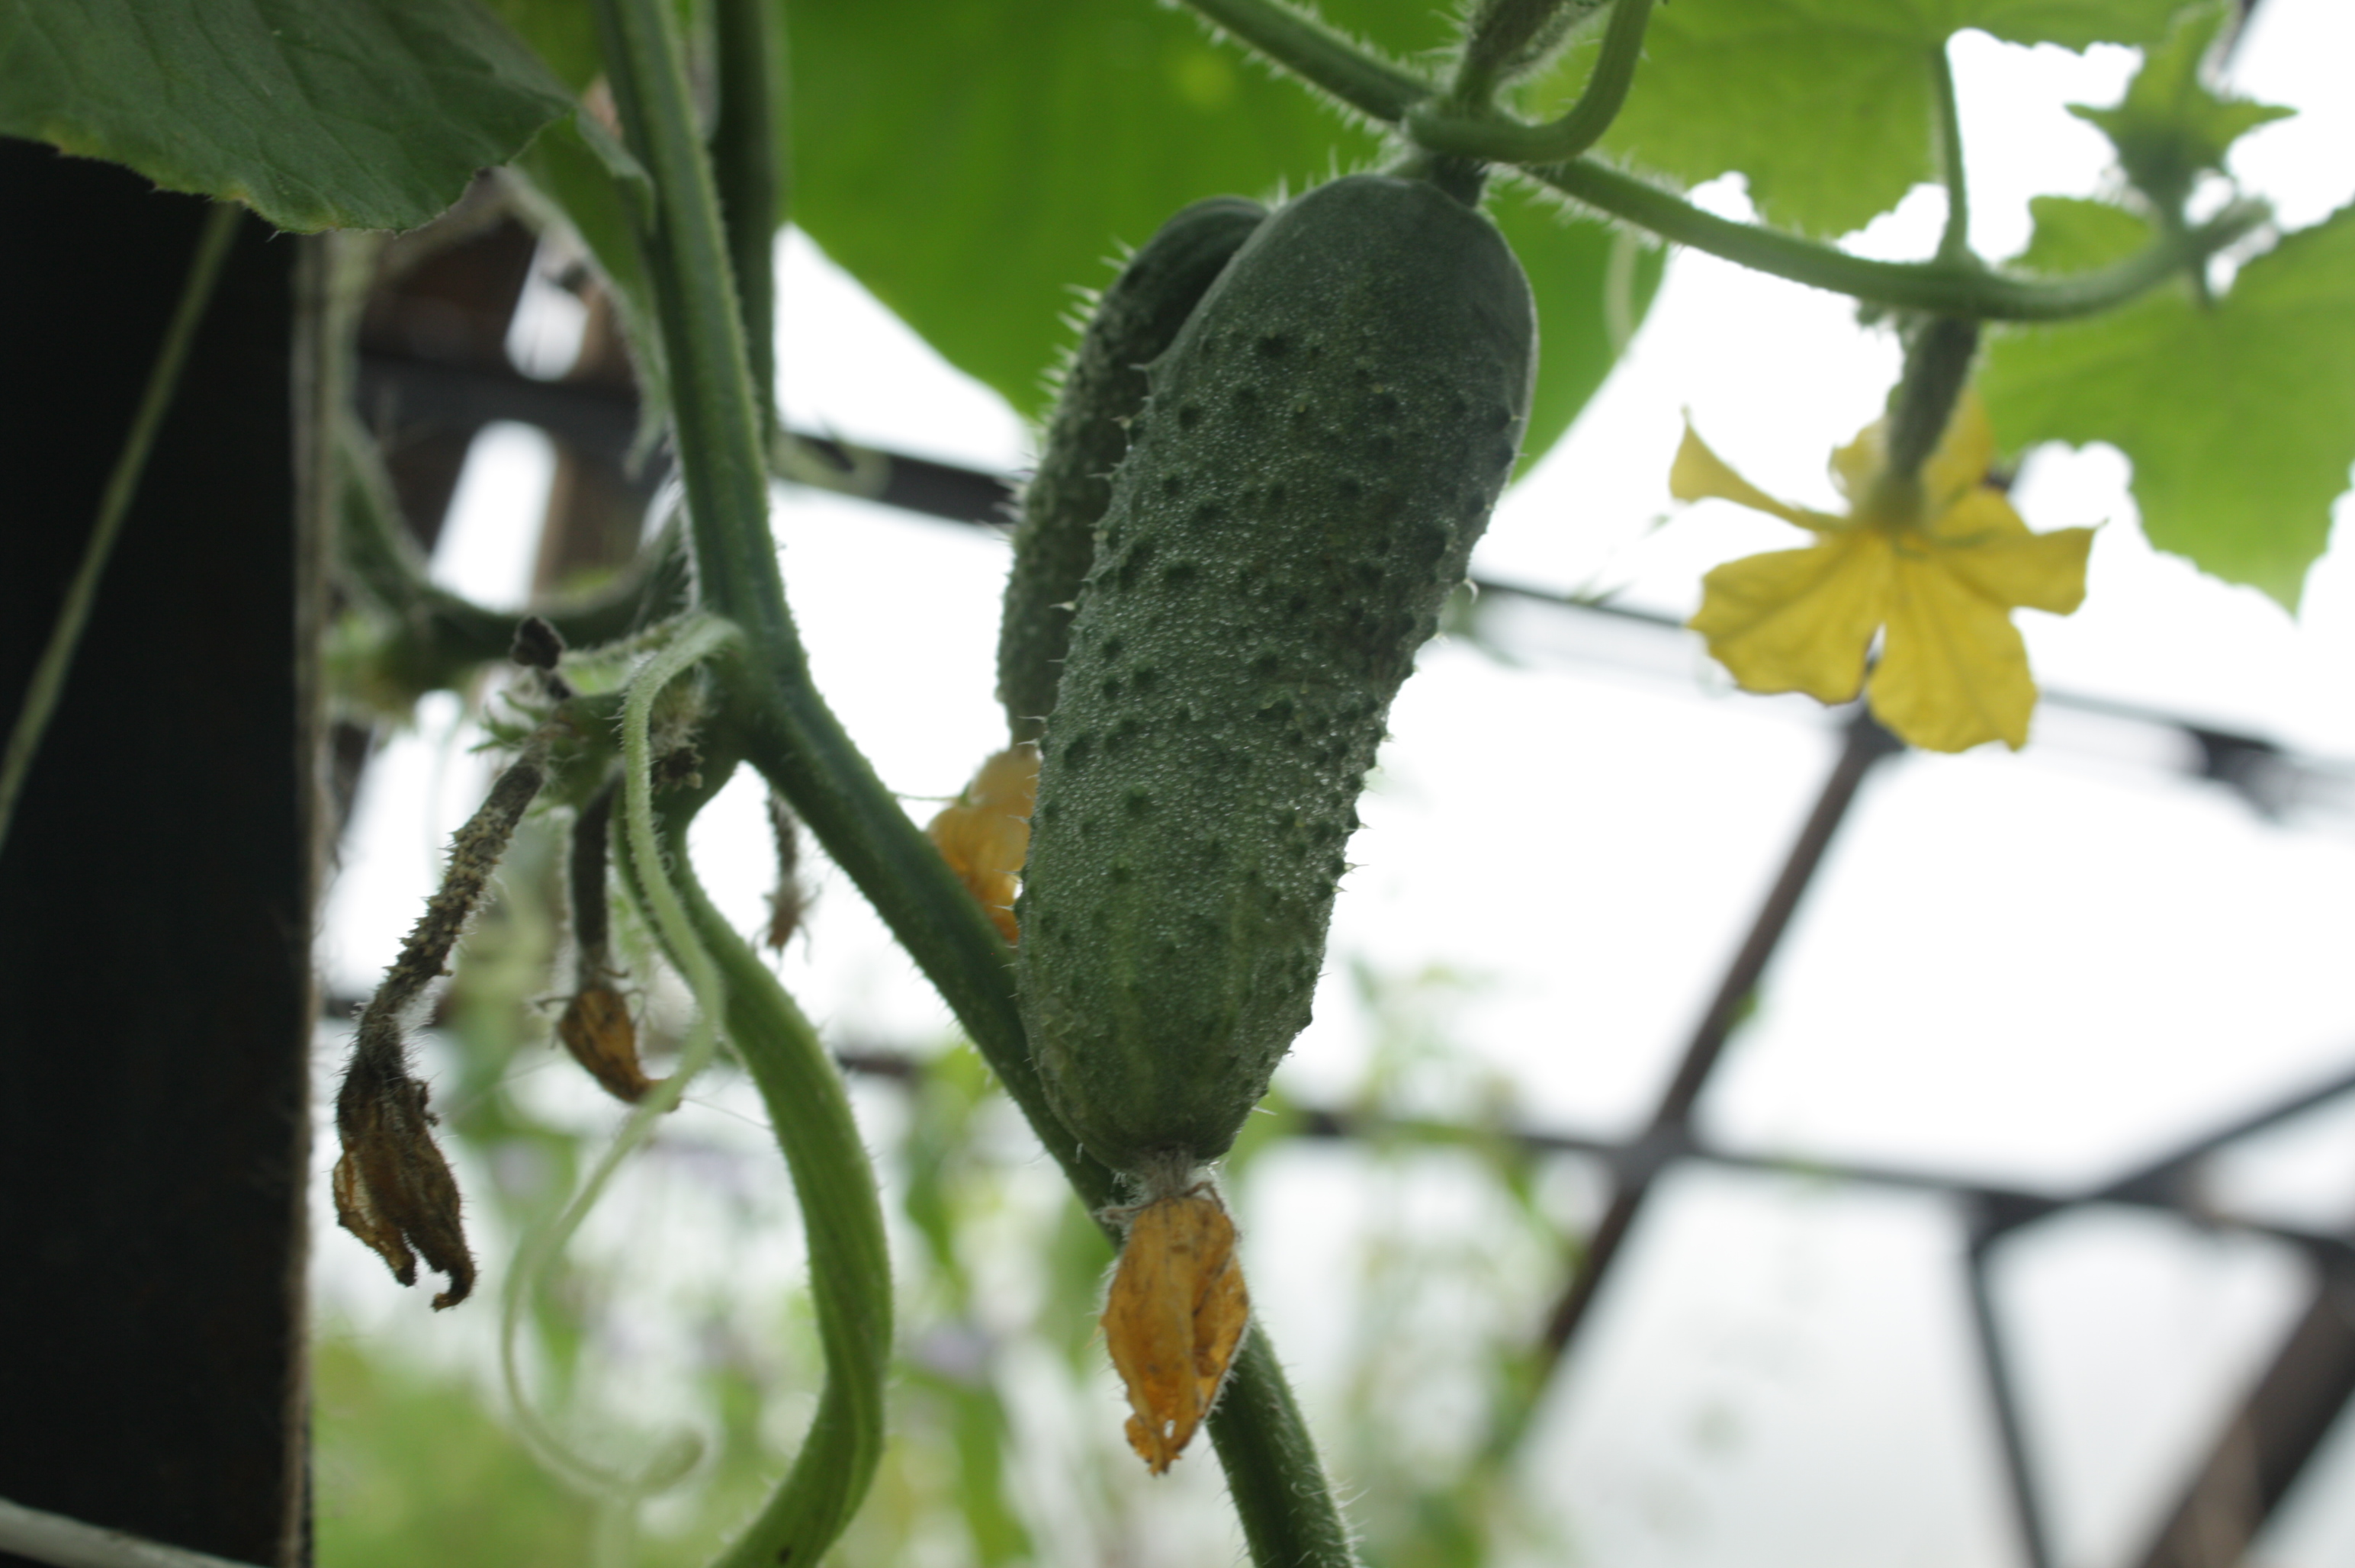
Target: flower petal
<point x="1953" y="672"/>
<point x="1980" y="517"/>
<point x="985" y="836"/>
<point x="1798" y="619"/>
<point x="1699" y="474"/>
<point x="2009" y="564"/>
<point x="1174" y="1319"/>
<point x="1857" y="465"/>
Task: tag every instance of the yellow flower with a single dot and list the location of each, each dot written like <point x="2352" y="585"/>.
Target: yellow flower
<point x="1941" y="563"/>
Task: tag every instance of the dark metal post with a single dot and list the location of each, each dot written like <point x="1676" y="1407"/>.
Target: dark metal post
<point x="1866" y="744"/>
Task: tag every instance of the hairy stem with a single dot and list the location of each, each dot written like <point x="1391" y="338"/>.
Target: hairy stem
<point x="49" y="682"/>
<point x="1505" y="141"/>
<point x="1947" y="287"/>
<point x="1937" y="287"/>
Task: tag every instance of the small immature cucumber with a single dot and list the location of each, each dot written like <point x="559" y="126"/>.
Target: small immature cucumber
<point x="1323" y="442"/>
<point x="1133" y="324"/>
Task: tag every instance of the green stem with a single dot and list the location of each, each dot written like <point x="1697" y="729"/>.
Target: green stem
<point x="789" y="733"/>
<point x="1277" y="1482"/>
<point x="749" y="174"/>
<point x="47" y="685"/>
<point x="1326" y="59"/>
<point x="850" y="1266"/>
<point x="1505" y="141"/>
<point x="1938" y="359"/>
<point x="1503" y="38"/>
<point x="714" y="414"/>
<point x="1954" y="244"/>
<point x="1938" y="287"/>
<point x="1319" y="56"/>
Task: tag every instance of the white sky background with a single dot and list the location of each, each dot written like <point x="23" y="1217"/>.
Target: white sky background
<point x="2038" y="968"/>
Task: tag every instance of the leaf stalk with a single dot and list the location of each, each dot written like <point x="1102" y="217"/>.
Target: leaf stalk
<point x="1940" y="288"/>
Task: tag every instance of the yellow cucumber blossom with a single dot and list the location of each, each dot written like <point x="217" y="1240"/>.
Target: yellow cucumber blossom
<point x="1940" y="562"/>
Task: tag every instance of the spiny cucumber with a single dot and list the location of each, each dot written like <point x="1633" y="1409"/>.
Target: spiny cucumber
<point x="1134" y="322"/>
<point x="1322" y="444"/>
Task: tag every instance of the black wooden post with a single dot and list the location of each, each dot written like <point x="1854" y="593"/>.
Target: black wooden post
<point x="156" y="887"/>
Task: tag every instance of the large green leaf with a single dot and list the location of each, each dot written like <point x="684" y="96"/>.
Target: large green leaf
<point x="2238" y="418"/>
<point x="975" y="166"/>
<point x="316" y="113"/>
<point x="1825" y="106"/>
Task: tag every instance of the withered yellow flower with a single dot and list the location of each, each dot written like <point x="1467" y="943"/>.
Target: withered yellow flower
<point x="985" y="836"/>
<point x="1941" y="564"/>
<point x="1175" y="1318"/>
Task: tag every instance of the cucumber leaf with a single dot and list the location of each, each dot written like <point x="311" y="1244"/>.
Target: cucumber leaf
<point x="2169" y="128"/>
<point x="974" y="175"/>
<point x="315" y="113"/>
<point x="2239" y="417"/>
<point x="1824" y="106"/>
<point x="972" y="172"/>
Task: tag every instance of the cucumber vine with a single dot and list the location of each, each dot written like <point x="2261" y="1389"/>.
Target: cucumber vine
<point x="684" y="217"/>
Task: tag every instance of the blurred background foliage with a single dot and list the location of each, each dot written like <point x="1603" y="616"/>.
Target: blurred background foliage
<point x="1006" y="1428"/>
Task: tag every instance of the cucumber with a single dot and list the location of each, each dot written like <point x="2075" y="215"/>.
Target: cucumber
<point x="1103" y="389"/>
<point x="1322" y="444"/>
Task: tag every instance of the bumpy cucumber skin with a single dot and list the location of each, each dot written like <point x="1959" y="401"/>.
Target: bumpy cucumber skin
<point x="1055" y="542"/>
<point x="1322" y="443"/>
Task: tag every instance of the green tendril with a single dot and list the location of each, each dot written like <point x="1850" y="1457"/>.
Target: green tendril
<point x="678" y="1454"/>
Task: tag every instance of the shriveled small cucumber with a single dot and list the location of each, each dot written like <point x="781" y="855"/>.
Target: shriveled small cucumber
<point x="1322" y="444"/>
<point x="1104" y="387"/>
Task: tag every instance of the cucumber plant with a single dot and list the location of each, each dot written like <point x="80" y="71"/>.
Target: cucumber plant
<point x="1280" y="437"/>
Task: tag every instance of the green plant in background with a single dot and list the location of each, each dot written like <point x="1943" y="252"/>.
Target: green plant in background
<point x="967" y="172"/>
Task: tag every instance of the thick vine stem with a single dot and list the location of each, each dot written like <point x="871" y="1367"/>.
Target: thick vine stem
<point x="1505" y="141"/>
<point x="1506" y="39"/>
<point x="1266" y="1449"/>
<point x="1939" y="288"/>
<point x="1319" y="56"/>
<point x="1326" y="59"/>
<point x="788" y="732"/>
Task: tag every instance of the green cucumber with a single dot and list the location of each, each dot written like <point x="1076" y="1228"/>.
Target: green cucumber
<point x="1055" y="542"/>
<point x="1322" y="444"/>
